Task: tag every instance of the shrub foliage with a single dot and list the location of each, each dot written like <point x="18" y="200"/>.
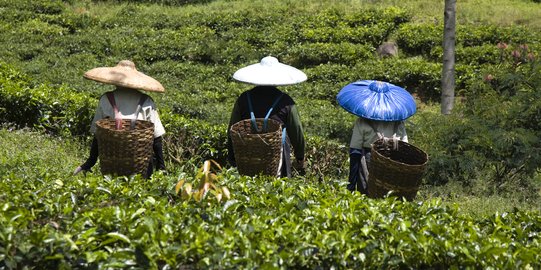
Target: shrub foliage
<point x="305" y="222"/>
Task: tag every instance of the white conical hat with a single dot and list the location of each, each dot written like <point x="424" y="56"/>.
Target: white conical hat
<point x="269" y="72"/>
<point x="124" y="74"/>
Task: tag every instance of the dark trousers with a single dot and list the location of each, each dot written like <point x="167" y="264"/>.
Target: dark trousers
<point x="156" y="161"/>
<point x="358" y="180"/>
<point x="286" y="160"/>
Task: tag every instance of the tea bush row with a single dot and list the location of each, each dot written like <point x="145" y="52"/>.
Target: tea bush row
<point x="58" y="47"/>
<point x="48" y="221"/>
<point x="197" y="43"/>
<point x="200" y="84"/>
<point x="248" y="15"/>
<point x="56" y="110"/>
<point x="417" y="75"/>
<point x="195" y="35"/>
<point x="462" y="148"/>
<point x="494" y="135"/>
<point x="421" y="38"/>
<point x="63" y="111"/>
<point x="161" y="2"/>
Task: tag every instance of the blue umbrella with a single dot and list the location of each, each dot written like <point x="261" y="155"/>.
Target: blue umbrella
<point x="377" y="100"/>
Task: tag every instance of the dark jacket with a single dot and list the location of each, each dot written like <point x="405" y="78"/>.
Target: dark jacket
<point x="285" y="112"/>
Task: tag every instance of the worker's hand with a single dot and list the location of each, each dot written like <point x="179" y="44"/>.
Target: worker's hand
<point x="299" y="166"/>
<point x="78" y="170"/>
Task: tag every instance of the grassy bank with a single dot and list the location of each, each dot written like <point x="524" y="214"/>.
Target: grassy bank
<point x="57" y="157"/>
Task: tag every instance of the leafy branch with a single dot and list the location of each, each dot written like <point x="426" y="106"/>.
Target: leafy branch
<point x="205" y="181"/>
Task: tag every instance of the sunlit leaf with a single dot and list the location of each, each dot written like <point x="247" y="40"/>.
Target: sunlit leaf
<point x="187" y="191"/>
<point x="59" y="182"/>
<point x="104" y="190"/>
<point x="206" y="166"/>
<point x="216" y="164"/>
<point x="226" y="192"/>
<point x="119" y="236"/>
<point x="138" y="213"/>
<point x="179" y="185"/>
<point x="197" y="195"/>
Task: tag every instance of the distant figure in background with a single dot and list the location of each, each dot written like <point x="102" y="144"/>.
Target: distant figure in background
<point x="382" y="109"/>
<point x="266" y="100"/>
<point x="126" y="98"/>
<point x="387" y="49"/>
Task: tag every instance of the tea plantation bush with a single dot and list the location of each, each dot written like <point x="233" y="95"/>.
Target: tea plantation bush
<point x="494" y="136"/>
<point x="195" y="51"/>
<point x="63" y="111"/>
<point x="162" y="2"/>
<point x="416" y="39"/>
<point x="478" y="55"/>
<point x="416" y="75"/>
<point x="214" y="37"/>
<point x="312" y="54"/>
<point x="56" y="110"/>
<point x="50" y="221"/>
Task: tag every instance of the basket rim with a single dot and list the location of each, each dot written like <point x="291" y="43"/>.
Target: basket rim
<point x="377" y="153"/>
<point x="257" y="119"/>
<point x="144" y="126"/>
<point x="123" y="120"/>
<point x="238" y="123"/>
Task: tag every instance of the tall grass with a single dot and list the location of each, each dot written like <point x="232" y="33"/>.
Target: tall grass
<point x="469" y="202"/>
<point x="29" y="154"/>
<point x="498" y="12"/>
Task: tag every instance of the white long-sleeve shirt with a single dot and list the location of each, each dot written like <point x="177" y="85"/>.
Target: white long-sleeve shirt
<point x="126" y="101"/>
<point x="365" y="132"/>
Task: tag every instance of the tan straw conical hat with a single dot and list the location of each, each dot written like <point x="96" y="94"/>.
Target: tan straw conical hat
<point x="124" y="74"/>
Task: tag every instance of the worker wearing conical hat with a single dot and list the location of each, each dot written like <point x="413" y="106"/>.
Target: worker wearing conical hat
<point x="381" y="108"/>
<point x="266" y="76"/>
<point x="127" y="97"/>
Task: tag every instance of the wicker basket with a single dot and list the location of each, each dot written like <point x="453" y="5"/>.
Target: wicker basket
<point x="399" y="171"/>
<point x="257" y="153"/>
<point x="125" y="151"/>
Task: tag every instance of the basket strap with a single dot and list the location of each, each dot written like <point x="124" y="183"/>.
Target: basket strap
<point x="270" y="110"/>
<point x="139" y="106"/>
<point x="118" y="119"/>
<point x="252" y="115"/>
<point x="251" y="108"/>
<point x="284" y="136"/>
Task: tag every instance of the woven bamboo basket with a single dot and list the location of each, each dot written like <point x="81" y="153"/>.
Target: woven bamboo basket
<point x="397" y="171"/>
<point x="125" y="151"/>
<point x="257" y="153"/>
